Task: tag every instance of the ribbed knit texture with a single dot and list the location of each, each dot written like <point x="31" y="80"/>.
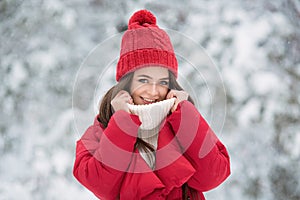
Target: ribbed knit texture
<point x="151" y="116"/>
<point x="146" y="57"/>
<point x="145" y="44"/>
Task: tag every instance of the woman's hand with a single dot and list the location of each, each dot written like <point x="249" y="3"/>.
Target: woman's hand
<point x="180" y="95"/>
<point x="119" y="102"/>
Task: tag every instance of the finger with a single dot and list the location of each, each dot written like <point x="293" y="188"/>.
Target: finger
<point x="168" y="96"/>
<point x="127" y="95"/>
<point x="171" y="94"/>
<point x="129" y="99"/>
<point x="124" y="94"/>
<point x="174" y="107"/>
<point x="120" y="93"/>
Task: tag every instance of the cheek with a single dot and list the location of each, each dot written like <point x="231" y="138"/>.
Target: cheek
<point x="137" y="90"/>
<point x="163" y="92"/>
<point x="135" y="94"/>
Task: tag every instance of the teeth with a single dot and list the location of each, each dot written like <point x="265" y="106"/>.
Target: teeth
<point x="149" y="100"/>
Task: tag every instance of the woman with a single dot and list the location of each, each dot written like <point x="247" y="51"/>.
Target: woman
<point x="149" y="141"/>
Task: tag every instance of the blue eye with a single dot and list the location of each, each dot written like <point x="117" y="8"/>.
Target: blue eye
<point x="164" y="82"/>
<point x="143" y="80"/>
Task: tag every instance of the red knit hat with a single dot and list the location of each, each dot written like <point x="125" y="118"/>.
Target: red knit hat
<point x="145" y="44"/>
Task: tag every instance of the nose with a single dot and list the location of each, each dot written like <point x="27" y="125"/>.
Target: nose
<point x="154" y="90"/>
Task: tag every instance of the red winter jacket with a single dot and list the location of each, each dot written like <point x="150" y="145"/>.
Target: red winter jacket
<point x="188" y="152"/>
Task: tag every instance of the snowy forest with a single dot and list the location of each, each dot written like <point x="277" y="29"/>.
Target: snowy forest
<point x="239" y="59"/>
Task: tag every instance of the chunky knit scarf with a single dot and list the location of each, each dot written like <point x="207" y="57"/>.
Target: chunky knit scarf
<point x="151" y="116"/>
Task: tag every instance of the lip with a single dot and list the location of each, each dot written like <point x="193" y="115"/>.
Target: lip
<point x="148" y="101"/>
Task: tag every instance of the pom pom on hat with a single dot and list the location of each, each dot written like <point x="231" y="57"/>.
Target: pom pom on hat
<point x="145" y="44"/>
<point x="141" y="18"/>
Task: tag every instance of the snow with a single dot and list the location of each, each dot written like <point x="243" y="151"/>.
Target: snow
<point x="48" y="97"/>
<point x="266" y="83"/>
<point x="249" y="113"/>
<point x="246" y="39"/>
<point x="18" y="75"/>
<point x="295" y="148"/>
<point x="237" y="84"/>
<point x="43" y="59"/>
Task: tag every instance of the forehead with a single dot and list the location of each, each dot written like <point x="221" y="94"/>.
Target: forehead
<point x="155" y="72"/>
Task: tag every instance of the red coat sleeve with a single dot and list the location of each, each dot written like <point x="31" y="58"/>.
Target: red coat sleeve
<point x="201" y="147"/>
<point x="102" y="156"/>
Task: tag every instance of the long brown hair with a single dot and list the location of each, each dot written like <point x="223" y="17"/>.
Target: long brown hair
<point x="106" y="111"/>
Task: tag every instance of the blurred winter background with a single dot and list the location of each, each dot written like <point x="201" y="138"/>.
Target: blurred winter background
<point x="254" y="43"/>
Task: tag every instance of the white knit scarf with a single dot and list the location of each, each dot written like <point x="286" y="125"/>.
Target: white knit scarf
<point x="151" y="116"/>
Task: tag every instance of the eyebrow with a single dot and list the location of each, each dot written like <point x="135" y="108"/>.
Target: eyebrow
<point x="146" y="76"/>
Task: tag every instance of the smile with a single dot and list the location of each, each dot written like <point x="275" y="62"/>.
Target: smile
<point x="148" y="100"/>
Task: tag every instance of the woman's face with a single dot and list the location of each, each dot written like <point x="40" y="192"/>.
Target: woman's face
<point x="149" y="85"/>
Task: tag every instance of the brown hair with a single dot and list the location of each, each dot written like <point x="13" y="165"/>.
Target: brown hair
<point x="106" y="111"/>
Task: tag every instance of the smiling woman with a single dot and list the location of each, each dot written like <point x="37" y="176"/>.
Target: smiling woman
<point x="146" y="141"/>
<point x="149" y="85"/>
